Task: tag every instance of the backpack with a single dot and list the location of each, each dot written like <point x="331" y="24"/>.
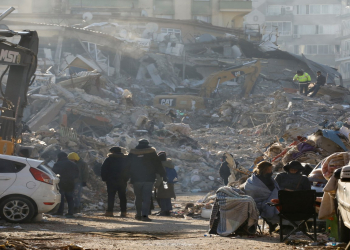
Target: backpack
<point x="171" y="175"/>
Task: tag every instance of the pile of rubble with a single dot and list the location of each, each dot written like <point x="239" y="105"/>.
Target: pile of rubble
<point x="87" y="103"/>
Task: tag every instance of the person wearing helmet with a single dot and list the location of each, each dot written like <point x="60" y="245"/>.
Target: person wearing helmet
<point x="79" y="182"/>
<point x="304" y="80"/>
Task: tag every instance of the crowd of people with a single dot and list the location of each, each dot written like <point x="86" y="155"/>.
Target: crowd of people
<point x="146" y="170"/>
<point x="149" y="171"/>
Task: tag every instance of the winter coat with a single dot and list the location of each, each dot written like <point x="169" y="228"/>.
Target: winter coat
<point x="143" y="164"/>
<point x="68" y="172"/>
<point x="161" y="192"/>
<point x="225" y="171"/>
<point x="294" y="182"/>
<point x="83" y="171"/>
<point x="113" y="169"/>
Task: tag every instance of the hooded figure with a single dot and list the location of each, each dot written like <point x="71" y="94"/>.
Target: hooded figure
<point x="68" y="172"/>
<point x="142" y="166"/>
<point x="113" y="173"/>
<point x="292" y="179"/>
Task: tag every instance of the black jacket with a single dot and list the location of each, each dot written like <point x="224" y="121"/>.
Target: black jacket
<point x="295" y="182"/>
<point x="143" y="164"/>
<point x="113" y="169"/>
<point x="321" y="80"/>
<point x="225" y="171"/>
<point x="68" y="172"/>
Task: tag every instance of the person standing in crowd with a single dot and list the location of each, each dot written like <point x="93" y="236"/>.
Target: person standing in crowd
<point x="142" y="166"/>
<point x="321" y="81"/>
<point x="292" y="179"/>
<point x="165" y="194"/>
<point x="68" y="172"/>
<point x="80" y="182"/>
<point x="113" y="173"/>
<point x="304" y="80"/>
<point x="263" y="188"/>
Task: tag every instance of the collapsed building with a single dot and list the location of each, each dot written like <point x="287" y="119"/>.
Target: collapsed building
<point x="96" y="85"/>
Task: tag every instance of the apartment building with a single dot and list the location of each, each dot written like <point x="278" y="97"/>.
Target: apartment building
<point x="308" y="27"/>
<point x="343" y="56"/>
<point x="224" y="13"/>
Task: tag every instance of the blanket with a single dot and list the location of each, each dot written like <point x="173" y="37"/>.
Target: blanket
<point x="255" y="188"/>
<point x="327" y="208"/>
<point x="235" y="211"/>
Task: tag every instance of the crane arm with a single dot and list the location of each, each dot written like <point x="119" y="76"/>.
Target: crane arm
<point x="250" y="70"/>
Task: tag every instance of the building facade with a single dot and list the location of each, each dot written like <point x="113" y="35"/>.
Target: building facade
<point x="343" y="56"/>
<point x="308" y="27"/>
<point x="223" y="13"/>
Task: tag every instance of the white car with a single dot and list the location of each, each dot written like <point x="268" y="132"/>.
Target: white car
<point x="27" y="188"/>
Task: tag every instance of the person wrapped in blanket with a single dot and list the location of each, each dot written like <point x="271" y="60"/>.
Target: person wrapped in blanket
<point x="263" y="188"/>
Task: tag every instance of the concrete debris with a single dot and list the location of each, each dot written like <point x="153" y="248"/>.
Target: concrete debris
<point x="86" y="107"/>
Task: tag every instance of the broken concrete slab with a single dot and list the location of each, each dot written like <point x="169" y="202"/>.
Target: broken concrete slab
<point x="152" y="70"/>
<point x="46" y="115"/>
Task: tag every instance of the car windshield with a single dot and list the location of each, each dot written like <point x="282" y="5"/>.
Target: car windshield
<point x="46" y="169"/>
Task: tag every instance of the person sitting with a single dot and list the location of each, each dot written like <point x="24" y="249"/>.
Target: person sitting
<point x="292" y="179"/>
<point x="263" y="188"/>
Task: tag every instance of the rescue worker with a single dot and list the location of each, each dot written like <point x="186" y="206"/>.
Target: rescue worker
<point x="79" y="182"/>
<point x="304" y="80"/>
<point x="68" y="172"/>
<point x="321" y="81"/>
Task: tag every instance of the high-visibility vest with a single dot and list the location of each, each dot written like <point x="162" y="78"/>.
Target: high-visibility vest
<point x="302" y="79"/>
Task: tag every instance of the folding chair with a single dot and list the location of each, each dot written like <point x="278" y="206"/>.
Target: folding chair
<point x="297" y="207"/>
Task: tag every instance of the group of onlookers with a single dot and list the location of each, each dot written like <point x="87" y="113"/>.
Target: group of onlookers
<point x="146" y="170"/>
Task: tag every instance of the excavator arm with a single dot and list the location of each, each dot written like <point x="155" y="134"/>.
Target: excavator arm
<point x="250" y="70"/>
<point x="21" y="62"/>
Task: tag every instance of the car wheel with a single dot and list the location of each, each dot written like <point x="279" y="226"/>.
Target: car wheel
<point x="343" y="231"/>
<point x="17" y="209"/>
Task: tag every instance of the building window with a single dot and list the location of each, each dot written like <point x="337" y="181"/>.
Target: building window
<point x="316" y="29"/>
<point x="297" y="49"/>
<point x="164" y="16"/>
<point x="176" y="32"/>
<point x="314" y="49"/>
<point x="345" y="70"/>
<point x="206" y="19"/>
<point x="283" y="28"/>
<point x="274" y="10"/>
<point x="329" y="29"/>
<point x="318" y="9"/>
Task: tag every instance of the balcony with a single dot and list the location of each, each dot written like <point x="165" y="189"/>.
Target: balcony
<point x="342" y="56"/>
<point x="104" y="3"/>
<point x="235" y="6"/>
<point x="163" y="7"/>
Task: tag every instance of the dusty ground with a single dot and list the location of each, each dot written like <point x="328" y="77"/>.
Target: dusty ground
<point x="93" y="231"/>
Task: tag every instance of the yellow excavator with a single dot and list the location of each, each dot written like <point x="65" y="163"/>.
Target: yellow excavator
<point x="20" y="60"/>
<point x="250" y="71"/>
